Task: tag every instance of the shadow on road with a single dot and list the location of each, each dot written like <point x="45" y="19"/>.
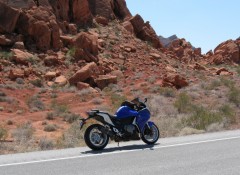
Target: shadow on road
<point x="122" y="148"/>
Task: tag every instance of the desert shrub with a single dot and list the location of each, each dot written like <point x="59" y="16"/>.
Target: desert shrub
<point x="6" y="55"/>
<point x="3" y="133"/>
<point x="97" y="101"/>
<point x="72" y="137"/>
<point x="161" y="106"/>
<point x="35" y="103"/>
<point x="117" y="100"/>
<point x="167" y="92"/>
<point x="9" y="122"/>
<point x="228" y="112"/>
<point x="50" y="128"/>
<point x="70" y="53"/>
<point x="23" y="132"/>
<point x="50" y="116"/>
<point x="2" y="94"/>
<point x="202" y="118"/>
<point x="234" y="95"/>
<point x="20" y="81"/>
<point x="46" y="144"/>
<point x="37" y="82"/>
<point x="238" y="70"/>
<point x="183" y="103"/>
<point x="213" y="85"/>
<point x="70" y="117"/>
<point x="227" y="82"/>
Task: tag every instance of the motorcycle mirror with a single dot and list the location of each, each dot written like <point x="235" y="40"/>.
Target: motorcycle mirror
<point x="145" y="100"/>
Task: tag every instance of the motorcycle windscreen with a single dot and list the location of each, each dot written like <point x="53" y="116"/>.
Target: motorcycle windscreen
<point x="143" y="117"/>
<point x="125" y="112"/>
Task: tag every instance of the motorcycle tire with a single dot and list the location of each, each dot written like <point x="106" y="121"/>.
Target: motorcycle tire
<point x="96" y="140"/>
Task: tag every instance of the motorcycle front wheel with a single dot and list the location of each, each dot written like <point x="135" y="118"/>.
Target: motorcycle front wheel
<point x="95" y="138"/>
<point x="150" y="135"/>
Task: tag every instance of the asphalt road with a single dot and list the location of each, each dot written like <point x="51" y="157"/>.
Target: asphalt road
<point x="205" y="154"/>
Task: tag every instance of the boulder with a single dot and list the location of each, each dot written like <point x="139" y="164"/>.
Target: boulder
<point x="175" y="80"/>
<point x="84" y="73"/>
<point x="8" y="18"/>
<point x="101" y="20"/>
<point x="223" y="71"/>
<point x="144" y="31"/>
<point x="50" y="75"/>
<point x="16" y="73"/>
<point x="226" y="52"/>
<point x="81" y="12"/>
<point x="86" y="47"/>
<point x="104" y="80"/>
<point x="155" y="56"/>
<point x="198" y="66"/>
<point x="52" y="60"/>
<point x="120" y="9"/>
<point x="61" y="80"/>
<point x="5" y="41"/>
<point x="102" y="8"/>
<point x="19" y="45"/>
<point x="128" y="26"/>
<point x="81" y="86"/>
<point x="21" y="57"/>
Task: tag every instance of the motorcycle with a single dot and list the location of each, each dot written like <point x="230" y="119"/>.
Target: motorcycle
<point x="131" y="122"/>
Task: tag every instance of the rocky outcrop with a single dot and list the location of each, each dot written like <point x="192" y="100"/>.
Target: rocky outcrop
<point x="184" y="51"/>
<point x="167" y="41"/>
<point x="226" y="52"/>
<point x="144" y="31"/>
<point x="104" y="80"/>
<point x="174" y="80"/>
<point x="86" y="47"/>
<point x="8" y="18"/>
<point x="90" y="70"/>
<point x="21" y="57"/>
<point x="40" y="28"/>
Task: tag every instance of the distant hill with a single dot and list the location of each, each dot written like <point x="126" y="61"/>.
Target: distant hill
<point x="166" y="41"/>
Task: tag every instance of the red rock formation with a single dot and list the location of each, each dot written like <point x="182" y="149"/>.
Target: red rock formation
<point x="8" y="18"/>
<point x="184" y="51"/>
<point x="226" y="52"/>
<point x="86" y="46"/>
<point x="84" y="73"/>
<point x="39" y="26"/>
<point x="175" y="80"/>
<point x="144" y="31"/>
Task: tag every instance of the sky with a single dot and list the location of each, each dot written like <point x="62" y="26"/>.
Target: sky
<point x="204" y="23"/>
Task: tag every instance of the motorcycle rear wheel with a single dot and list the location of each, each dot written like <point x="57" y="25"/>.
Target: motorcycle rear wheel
<point x="95" y="138"/>
<point x="151" y="136"/>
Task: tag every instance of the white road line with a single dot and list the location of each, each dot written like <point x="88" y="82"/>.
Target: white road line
<point x="118" y="152"/>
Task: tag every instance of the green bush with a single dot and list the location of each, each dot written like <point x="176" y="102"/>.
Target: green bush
<point x="37" y="82"/>
<point x="202" y="118"/>
<point x="46" y="144"/>
<point x="234" y="95"/>
<point x="3" y="133"/>
<point x="183" y="103"/>
<point x="6" y="55"/>
<point x="50" y="128"/>
<point x="167" y="92"/>
<point x="228" y="112"/>
<point x="23" y="132"/>
<point x="227" y="82"/>
<point x="35" y="103"/>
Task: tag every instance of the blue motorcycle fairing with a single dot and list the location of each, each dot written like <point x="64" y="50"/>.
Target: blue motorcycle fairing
<point x="150" y="124"/>
<point x="143" y="117"/>
<point x="125" y="112"/>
